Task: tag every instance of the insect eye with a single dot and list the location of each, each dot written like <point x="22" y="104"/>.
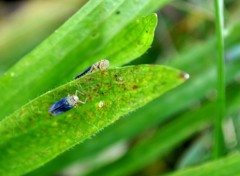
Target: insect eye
<point x="75" y="98"/>
<point x="105" y="64"/>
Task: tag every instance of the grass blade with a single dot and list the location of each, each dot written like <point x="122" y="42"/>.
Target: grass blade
<point x="219" y="142"/>
<point x="225" y="166"/>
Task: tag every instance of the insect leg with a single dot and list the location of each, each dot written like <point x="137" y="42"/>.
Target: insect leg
<point x="83" y="102"/>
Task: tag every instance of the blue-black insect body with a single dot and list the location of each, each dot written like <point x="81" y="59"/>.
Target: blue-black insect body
<point x="100" y="65"/>
<point x="88" y="70"/>
<point x="64" y="104"/>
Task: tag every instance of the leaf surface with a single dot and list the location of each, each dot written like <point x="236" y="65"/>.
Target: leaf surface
<point x="32" y="134"/>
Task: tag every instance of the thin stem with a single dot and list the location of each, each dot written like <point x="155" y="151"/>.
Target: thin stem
<point x="219" y="141"/>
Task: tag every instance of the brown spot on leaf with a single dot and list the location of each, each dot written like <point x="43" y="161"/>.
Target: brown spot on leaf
<point x="90" y="79"/>
<point x="115" y="76"/>
<point x="134" y="87"/>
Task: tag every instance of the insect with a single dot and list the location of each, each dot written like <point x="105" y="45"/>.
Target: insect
<point x="65" y="104"/>
<point x="100" y="65"/>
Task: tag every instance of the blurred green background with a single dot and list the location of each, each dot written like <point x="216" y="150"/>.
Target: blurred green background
<point x="172" y="132"/>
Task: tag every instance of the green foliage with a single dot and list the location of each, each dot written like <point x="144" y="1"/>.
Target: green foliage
<point x="164" y="141"/>
<point x="222" y="167"/>
<point x="23" y="26"/>
<point x="45" y="66"/>
<point x="160" y="132"/>
<point x="219" y="141"/>
<point x="31" y="132"/>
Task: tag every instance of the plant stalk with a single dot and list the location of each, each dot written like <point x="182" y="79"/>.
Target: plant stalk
<point x="218" y="137"/>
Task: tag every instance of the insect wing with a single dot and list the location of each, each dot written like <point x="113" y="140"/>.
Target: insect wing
<point x="83" y="73"/>
<point x="60" y="107"/>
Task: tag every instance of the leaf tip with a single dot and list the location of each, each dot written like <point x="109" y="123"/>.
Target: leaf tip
<point x="184" y="75"/>
<point x="155" y="15"/>
<point x="154" y="18"/>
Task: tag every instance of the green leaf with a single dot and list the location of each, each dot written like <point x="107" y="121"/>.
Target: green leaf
<point x="222" y="167"/>
<point x="31" y="134"/>
<point x="80" y="42"/>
